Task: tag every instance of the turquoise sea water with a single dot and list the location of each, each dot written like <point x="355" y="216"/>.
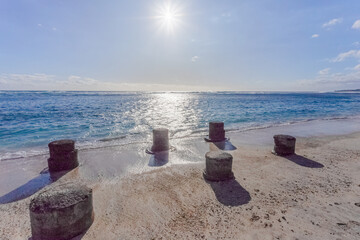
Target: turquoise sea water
<point x="30" y="120"/>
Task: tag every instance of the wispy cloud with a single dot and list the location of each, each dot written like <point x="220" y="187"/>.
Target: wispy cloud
<point x="27" y="79"/>
<point x="332" y="22"/>
<point x="78" y="83"/>
<point x="356" y="24"/>
<point x="350" y="54"/>
<point x="223" y="17"/>
<point x="324" y="71"/>
<point x="325" y="80"/>
<point x="226" y="14"/>
<point x="315" y="36"/>
<point x="340" y="78"/>
<point x="47" y="27"/>
<point x="332" y="81"/>
<point x="2" y="81"/>
<point x="194" y="58"/>
<point x="77" y="80"/>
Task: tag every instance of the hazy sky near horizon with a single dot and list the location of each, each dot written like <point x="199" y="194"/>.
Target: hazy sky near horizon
<point x="188" y="45"/>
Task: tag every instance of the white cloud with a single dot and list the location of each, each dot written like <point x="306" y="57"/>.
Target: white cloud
<point x="315" y="36"/>
<point x="356" y="44"/>
<point x="356" y="24"/>
<point x="332" y="82"/>
<point x="227" y="14"/>
<point x="194" y="58"/>
<point x="77" y="80"/>
<point x="2" y="81"/>
<point x="46" y="27"/>
<point x="78" y="83"/>
<point x="342" y="56"/>
<point x="226" y="17"/>
<point x="332" y="22"/>
<point x="324" y="71"/>
<point x="340" y="78"/>
<point x="42" y="82"/>
<point x="27" y="79"/>
<point x="325" y="81"/>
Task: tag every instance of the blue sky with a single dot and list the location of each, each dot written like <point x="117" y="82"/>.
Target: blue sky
<point x="179" y="45"/>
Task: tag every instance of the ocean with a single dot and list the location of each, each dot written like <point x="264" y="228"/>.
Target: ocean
<point x="29" y="120"/>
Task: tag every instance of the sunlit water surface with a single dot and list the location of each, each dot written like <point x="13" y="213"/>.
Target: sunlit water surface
<point x="30" y="120"/>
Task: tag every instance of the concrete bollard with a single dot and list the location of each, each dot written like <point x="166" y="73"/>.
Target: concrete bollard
<point x="160" y="140"/>
<point x="63" y="155"/>
<point x="216" y="132"/>
<point x="284" y="145"/>
<point x="62" y="212"/>
<point x="218" y="166"/>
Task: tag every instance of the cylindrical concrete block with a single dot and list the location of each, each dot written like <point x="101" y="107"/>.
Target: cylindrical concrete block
<point x="63" y="155"/>
<point x="284" y="145"/>
<point x="218" y="166"/>
<point x="61" y="147"/>
<point x="65" y="162"/>
<point x="61" y="212"/>
<point x="216" y="131"/>
<point x="160" y="140"/>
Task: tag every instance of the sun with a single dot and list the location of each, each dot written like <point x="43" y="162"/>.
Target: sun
<point x="169" y="16"/>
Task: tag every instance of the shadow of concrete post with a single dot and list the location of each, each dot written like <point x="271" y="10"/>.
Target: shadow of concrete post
<point x="230" y="193"/>
<point x="303" y="161"/>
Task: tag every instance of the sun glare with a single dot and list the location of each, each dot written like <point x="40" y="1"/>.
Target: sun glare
<point x="168" y="16"/>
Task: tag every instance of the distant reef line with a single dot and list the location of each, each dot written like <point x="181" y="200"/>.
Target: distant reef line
<point x="348" y="91"/>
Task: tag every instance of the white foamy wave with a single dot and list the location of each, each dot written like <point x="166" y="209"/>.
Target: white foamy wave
<point x="22" y="154"/>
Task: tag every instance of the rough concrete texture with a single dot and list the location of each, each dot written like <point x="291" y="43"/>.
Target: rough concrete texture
<point x="284" y="145"/>
<point x="63" y="155"/>
<point x="160" y="140"/>
<point x="218" y="166"/>
<point x="60" y="147"/>
<point x="216" y="131"/>
<point x="61" y="213"/>
<point x="65" y="162"/>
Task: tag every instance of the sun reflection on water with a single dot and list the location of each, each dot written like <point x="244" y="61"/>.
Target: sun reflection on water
<point x="175" y="111"/>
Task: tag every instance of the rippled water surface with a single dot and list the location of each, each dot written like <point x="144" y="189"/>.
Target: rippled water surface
<point x="29" y="120"/>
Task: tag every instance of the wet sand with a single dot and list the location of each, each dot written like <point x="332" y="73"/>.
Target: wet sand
<point x="312" y="195"/>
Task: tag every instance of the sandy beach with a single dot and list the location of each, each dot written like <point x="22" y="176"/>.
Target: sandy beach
<point x="172" y="120"/>
<point x="314" y="194"/>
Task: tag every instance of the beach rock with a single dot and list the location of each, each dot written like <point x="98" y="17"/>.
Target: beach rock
<point x="63" y="155"/>
<point x="218" y="166"/>
<point x="216" y="131"/>
<point x="284" y="145"/>
<point x="160" y="140"/>
<point x="62" y="212"/>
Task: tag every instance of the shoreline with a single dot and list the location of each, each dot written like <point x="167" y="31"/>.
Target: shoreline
<point x="337" y="127"/>
<point x="131" y="158"/>
<point x="133" y="199"/>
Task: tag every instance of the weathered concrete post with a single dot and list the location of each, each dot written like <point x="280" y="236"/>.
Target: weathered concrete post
<point x="61" y="213"/>
<point x="63" y="155"/>
<point x="160" y="140"/>
<point x="284" y="145"/>
<point x="216" y="132"/>
<point x="218" y="166"/>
